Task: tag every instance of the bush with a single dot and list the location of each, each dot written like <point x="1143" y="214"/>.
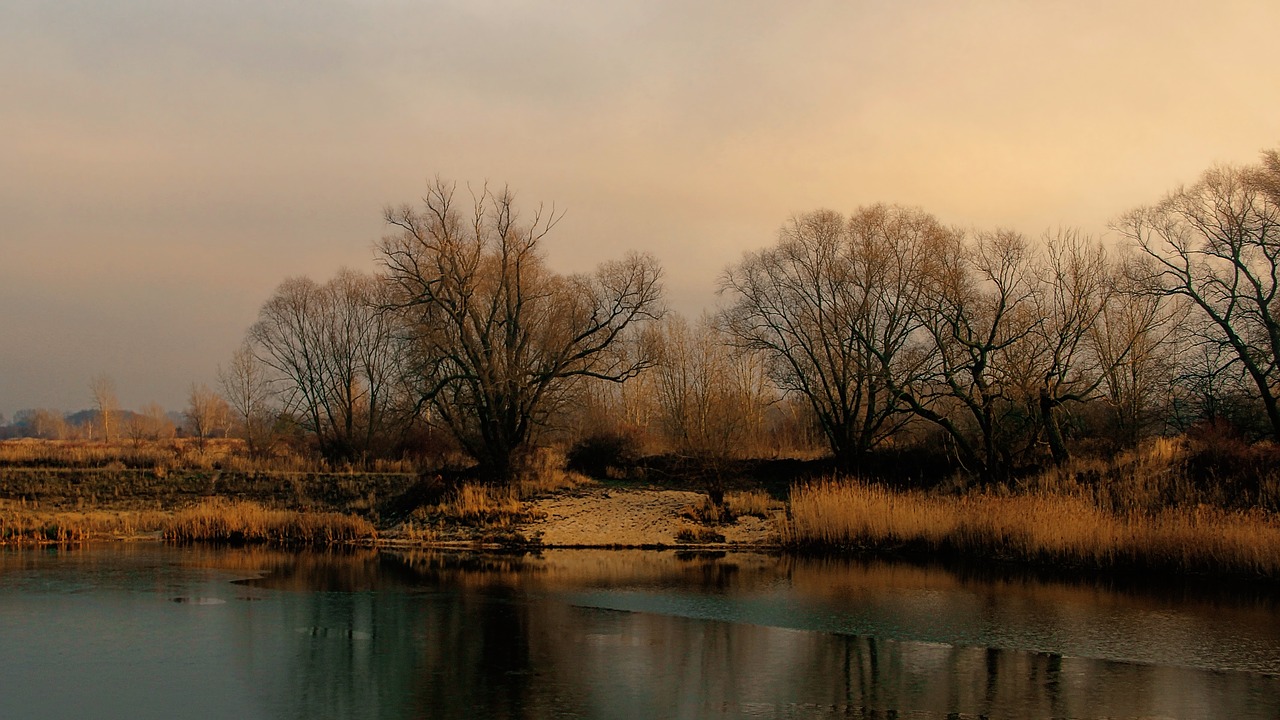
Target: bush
<point x="1231" y="472"/>
<point x="596" y="455"/>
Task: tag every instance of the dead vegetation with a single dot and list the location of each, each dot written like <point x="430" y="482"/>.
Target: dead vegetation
<point x="21" y="525"/>
<point x="1185" y="505"/>
<point x="221" y="520"/>
<point x="175" y="455"/>
<point x="1144" y="510"/>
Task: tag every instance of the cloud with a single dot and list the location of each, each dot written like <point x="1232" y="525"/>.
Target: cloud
<point x="172" y="162"/>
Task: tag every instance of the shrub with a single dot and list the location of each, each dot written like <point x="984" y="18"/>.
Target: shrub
<point x="596" y="455"/>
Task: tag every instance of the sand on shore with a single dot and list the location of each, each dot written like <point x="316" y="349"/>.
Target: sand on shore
<point x="605" y="517"/>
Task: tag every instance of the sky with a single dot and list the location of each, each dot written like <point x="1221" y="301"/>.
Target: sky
<point x="164" y="165"/>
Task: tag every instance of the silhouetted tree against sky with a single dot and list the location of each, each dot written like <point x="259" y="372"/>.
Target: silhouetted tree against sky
<point x="246" y="386"/>
<point x="832" y="306"/>
<point x="1217" y="244"/>
<point x="105" y="401"/>
<point x="1073" y="287"/>
<point x="978" y="309"/>
<point x="494" y="337"/>
<point x="332" y="353"/>
<point x="1135" y="338"/>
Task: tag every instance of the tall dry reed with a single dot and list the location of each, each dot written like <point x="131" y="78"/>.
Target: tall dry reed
<point x="478" y="505"/>
<point x="25" y="525"/>
<point x="1044" y="528"/>
<point x="222" y="520"/>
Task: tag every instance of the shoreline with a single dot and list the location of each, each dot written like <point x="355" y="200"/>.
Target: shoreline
<point x="402" y="511"/>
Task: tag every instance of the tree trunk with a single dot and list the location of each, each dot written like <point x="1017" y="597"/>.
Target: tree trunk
<point x="1052" y="432"/>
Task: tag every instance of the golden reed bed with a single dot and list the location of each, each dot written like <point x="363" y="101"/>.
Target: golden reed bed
<point x="1043" y="528"/>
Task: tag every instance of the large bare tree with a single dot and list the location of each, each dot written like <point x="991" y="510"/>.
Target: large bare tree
<point x="1216" y="243"/>
<point x="832" y="306"/>
<point x="496" y="338"/>
<point x="333" y="356"/>
<point x="1075" y="286"/>
<point x="978" y="309"/>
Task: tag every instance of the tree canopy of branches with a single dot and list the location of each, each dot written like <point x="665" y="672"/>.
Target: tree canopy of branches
<point x="206" y="414"/>
<point x="710" y="401"/>
<point x="1216" y="243"/>
<point x="333" y="356"/>
<point x="494" y="338"/>
<point x="832" y="307"/>
<point x="247" y="388"/>
<point x="105" y="401"/>
<point x="976" y="309"/>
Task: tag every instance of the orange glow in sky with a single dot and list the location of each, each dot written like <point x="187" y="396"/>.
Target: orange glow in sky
<point x="167" y="164"/>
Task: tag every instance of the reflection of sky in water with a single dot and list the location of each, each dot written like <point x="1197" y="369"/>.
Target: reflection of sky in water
<point x="152" y="631"/>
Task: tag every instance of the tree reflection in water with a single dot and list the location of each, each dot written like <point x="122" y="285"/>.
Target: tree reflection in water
<point x="464" y="635"/>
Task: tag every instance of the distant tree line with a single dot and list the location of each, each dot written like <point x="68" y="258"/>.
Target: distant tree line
<point x="206" y="415"/>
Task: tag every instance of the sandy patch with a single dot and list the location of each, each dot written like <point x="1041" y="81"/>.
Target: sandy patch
<point x="610" y="517"/>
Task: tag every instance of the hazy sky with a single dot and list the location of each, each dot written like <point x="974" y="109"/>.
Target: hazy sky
<point x="166" y="164"/>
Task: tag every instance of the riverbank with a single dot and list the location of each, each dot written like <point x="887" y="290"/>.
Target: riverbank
<point x="1033" y="527"/>
<point x="76" y="505"/>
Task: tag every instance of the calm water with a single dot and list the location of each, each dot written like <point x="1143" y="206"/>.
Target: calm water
<point x="149" y="631"/>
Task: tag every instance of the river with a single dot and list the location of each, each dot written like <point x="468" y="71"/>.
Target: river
<point x="144" y="630"/>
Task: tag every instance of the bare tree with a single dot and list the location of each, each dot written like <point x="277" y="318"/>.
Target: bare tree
<point x="496" y="338"/>
<point x="978" y="308"/>
<point x="150" y="423"/>
<point x="832" y="306"/>
<point x="1134" y="338"/>
<point x="1075" y="286"/>
<point x="43" y="423"/>
<point x="246" y="385"/>
<point x="206" y="413"/>
<point x="158" y="424"/>
<point x="333" y="355"/>
<point x="710" y="400"/>
<point x="1217" y="244"/>
<point x="105" y="401"/>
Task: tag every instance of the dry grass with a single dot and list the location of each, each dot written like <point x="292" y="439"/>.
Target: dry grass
<point x="698" y="534"/>
<point x="157" y="454"/>
<point x="1046" y="528"/>
<point x="164" y="456"/>
<point x="24" y="525"/>
<point x="477" y="505"/>
<point x="747" y="502"/>
<point x="544" y="473"/>
<point x="222" y="520"/>
<point x="707" y="512"/>
<point x="753" y="502"/>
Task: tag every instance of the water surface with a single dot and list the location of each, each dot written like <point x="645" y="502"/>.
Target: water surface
<point x="153" y="631"/>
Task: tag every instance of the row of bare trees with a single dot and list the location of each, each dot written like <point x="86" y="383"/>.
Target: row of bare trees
<point x="889" y="317"/>
<point x="464" y="328"/>
<point x="883" y="325"/>
<point x="206" y="415"/>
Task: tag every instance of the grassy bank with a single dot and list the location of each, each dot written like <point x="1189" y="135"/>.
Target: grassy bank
<point x="216" y="520"/>
<point x="25" y="525"/>
<point x="96" y="496"/>
<point x="1060" y="530"/>
<point x="221" y="520"/>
